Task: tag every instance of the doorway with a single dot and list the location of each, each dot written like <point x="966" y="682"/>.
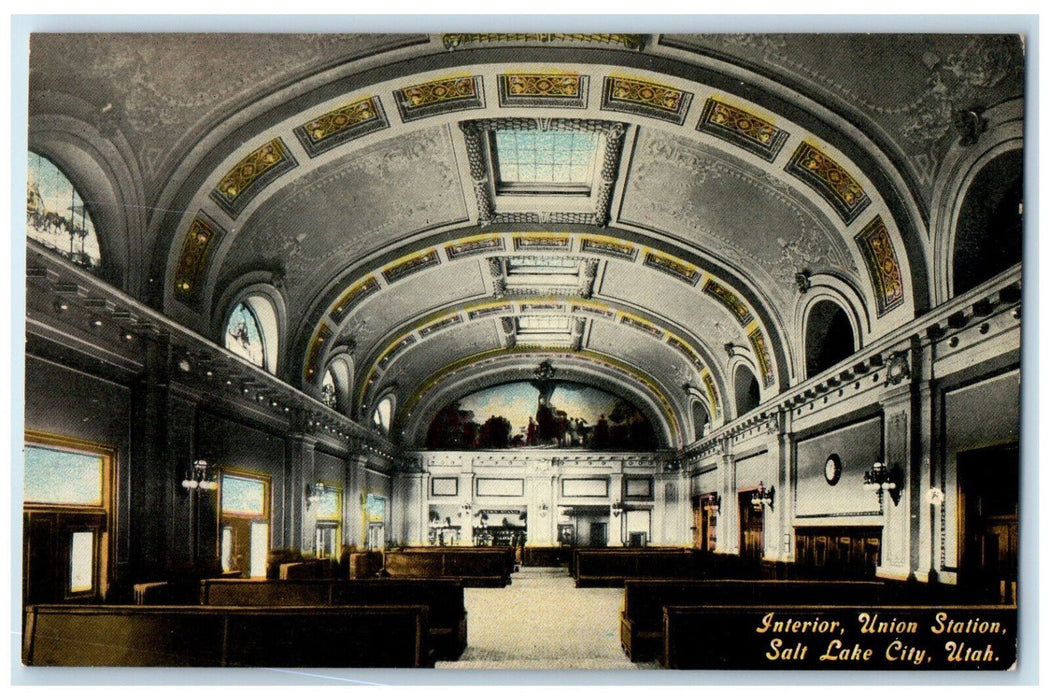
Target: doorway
<point x="599" y="534"/>
<point x="988" y="504"/>
<point x="245" y="524"/>
<point x="752" y="527"/>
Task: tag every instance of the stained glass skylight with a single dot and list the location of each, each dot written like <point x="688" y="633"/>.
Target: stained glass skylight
<point x="244" y="336"/>
<point x="532" y="158"/>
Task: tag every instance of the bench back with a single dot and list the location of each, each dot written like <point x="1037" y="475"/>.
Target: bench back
<point x="466" y="562"/>
<point x="139" y="635"/>
<point x="443" y="597"/>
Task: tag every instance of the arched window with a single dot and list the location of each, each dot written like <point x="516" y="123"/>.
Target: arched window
<point x="244" y="335"/>
<point x="829" y="337"/>
<point x="988" y="228"/>
<point x="746" y="390"/>
<point x="251" y="332"/>
<point x="700" y="419"/>
<point x="381" y="416"/>
<point x="57" y="216"/>
<point x="328" y="392"/>
<point x="336" y="384"/>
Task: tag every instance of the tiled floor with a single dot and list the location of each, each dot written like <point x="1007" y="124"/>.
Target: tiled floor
<point x="541" y="621"/>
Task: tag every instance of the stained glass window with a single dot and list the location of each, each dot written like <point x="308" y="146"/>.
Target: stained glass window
<point x="56" y="214"/>
<point x="329" y="504"/>
<point x="242" y="496"/>
<point x="532" y="157"/>
<point x="61" y="476"/>
<point x="328" y="393"/>
<point x="244" y="335"/>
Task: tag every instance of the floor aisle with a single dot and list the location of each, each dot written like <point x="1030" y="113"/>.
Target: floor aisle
<point x="542" y="621"/>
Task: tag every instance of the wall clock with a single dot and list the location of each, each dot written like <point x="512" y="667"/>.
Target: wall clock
<point x="833" y="469"/>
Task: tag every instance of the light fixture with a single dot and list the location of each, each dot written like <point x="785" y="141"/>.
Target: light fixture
<point x="713" y="503"/>
<point x="763" y="496"/>
<point x="198" y="477"/>
<point x="617" y="509"/>
<point x="882" y="480"/>
<point x="543" y="510"/>
<point x="314" y="493"/>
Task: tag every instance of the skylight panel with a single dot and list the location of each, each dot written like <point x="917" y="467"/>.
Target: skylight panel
<point x="533" y="159"/>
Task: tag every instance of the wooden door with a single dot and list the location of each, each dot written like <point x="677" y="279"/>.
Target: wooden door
<point x="988" y="498"/>
<point x="752" y="528"/>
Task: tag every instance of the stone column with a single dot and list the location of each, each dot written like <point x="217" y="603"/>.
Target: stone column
<point x="299" y="520"/>
<point x="902" y="453"/>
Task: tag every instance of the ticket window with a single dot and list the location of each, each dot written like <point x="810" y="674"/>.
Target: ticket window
<point x="244" y="524"/>
<point x="66" y="497"/>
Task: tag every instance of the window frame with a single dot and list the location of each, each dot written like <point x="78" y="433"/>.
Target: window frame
<point x="100" y="519"/>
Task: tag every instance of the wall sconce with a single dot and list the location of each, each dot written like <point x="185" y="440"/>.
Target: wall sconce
<point x="197" y="478"/>
<point x="713" y="504"/>
<point x="543" y="510"/>
<point x="934" y="496"/>
<point x="882" y="480"/>
<point x="763" y="496"/>
<point x="617" y="509"/>
<point x="314" y="493"/>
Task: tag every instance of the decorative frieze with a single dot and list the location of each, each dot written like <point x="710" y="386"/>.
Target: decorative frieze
<point x="439" y="97"/>
<point x="830" y="180"/>
<point x="876" y="248"/>
<point x="673" y="266"/>
<point x="404" y="268"/>
<point x="201" y="238"/>
<point x="341" y="125"/>
<point x="645" y="98"/>
<point x="246" y="179"/>
<point x="542" y="90"/>
<point x="356" y="293"/>
<point x="741" y="128"/>
<point x="729" y="299"/>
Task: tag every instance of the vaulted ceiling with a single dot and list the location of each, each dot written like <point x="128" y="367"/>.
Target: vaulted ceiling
<point x="738" y="178"/>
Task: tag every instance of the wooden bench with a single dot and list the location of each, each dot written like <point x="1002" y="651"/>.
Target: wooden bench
<point x="642" y="615"/>
<point x="610" y="567"/>
<point x="830" y="637"/>
<point x="447" y="614"/>
<point x="307" y="569"/>
<point x="476" y="567"/>
<point x="140" y="635"/>
<point x="546" y="556"/>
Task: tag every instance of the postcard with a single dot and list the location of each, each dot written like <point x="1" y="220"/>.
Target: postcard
<point x="524" y="351"/>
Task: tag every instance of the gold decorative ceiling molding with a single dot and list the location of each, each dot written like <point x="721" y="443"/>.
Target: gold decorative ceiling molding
<point x="200" y="239"/>
<point x="742" y="128"/>
<point x="645" y="98"/>
<point x="440" y="96"/>
<point x="341" y="125"/>
<point x="830" y="180"/>
<point x="543" y="90"/>
<point x="876" y="247"/>
<point x="251" y="175"/>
